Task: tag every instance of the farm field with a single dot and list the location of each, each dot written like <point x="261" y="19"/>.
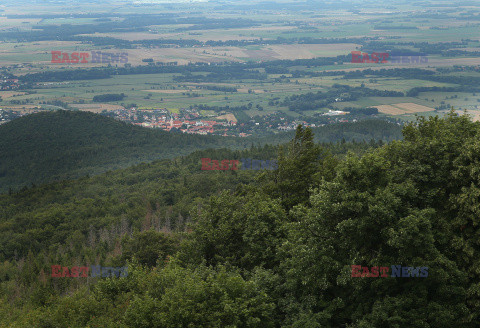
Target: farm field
<point x="403" y="108"/>
<point x="272" y="41"/>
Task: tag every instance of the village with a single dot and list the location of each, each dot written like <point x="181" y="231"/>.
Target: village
<point x="186" y="121"/>
<point x="190" y="120"/>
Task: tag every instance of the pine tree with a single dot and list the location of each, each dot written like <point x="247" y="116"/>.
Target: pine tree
<point x="298" y="168"/>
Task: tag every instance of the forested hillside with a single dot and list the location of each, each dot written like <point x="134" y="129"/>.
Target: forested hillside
<point x="257" y="248"/>
<point x="65" y="144"/>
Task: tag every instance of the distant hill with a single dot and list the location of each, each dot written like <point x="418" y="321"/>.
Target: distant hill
<point x="349" y="131"/>
<point x="63" y="145"/>
<point x="67" y="144"/>
<point x="359" y="131"/>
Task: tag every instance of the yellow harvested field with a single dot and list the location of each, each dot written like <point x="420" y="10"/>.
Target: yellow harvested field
<point x="96" y="108"/>
<point x="413" y="108"/>
<point x="403" y="108"/>
<point x="245" y="90"/>
<point x="202" y="36"/>
<point x="8" y="94"/>
<point x="307" y="51"/>
<point x="464" y="61"/>
<point x="283" y="51"/>
<point x="474" y="114"/>
<point x="130" y="36"/>
<point x="212" y="83"/>
<point x="167" y="91"/>
<point x="64" y="45"/>
<point x="6" y="23"/>
<point x="180" y="55"/>
<point x="228" y="117"/>
<point x="390" y="110"/>
<point x="24" y="109"/>
<point x="266" y="28"/>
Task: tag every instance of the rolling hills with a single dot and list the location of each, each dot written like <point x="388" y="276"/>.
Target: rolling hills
<point x="64" y="145"/>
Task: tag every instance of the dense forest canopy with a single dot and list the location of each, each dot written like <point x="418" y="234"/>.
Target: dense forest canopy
<point x="257" y="249"/>
<point x="68" y="144"/>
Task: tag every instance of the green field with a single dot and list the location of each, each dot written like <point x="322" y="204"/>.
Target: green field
<point x="259" y="23"/>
